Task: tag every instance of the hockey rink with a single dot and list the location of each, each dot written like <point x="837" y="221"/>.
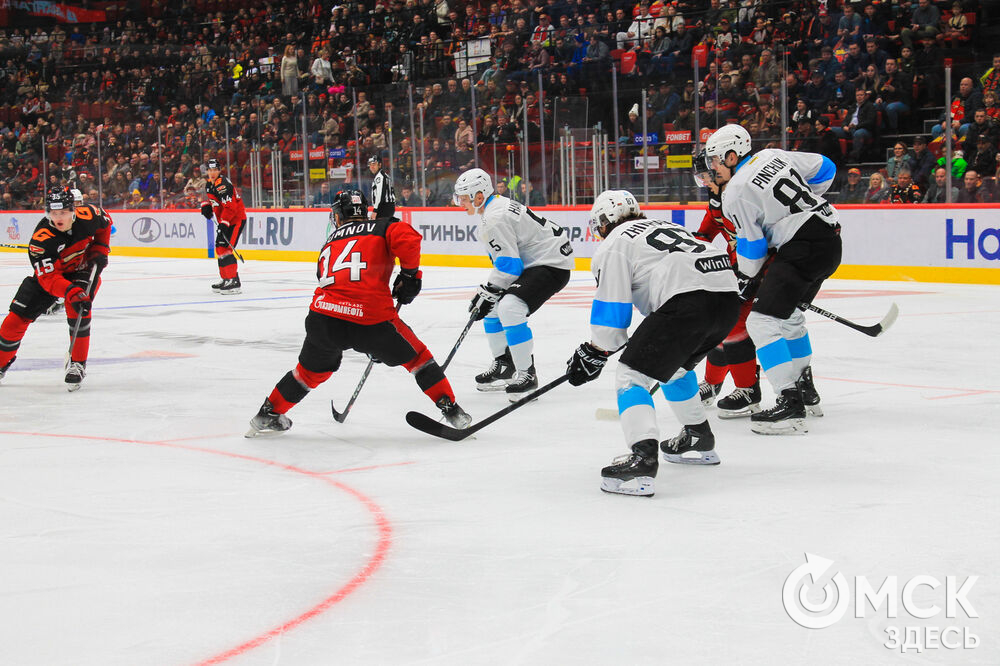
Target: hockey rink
<point x="139" y="527"/>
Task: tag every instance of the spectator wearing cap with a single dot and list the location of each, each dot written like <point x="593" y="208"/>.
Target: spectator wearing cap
<point x="817" y="93"/>
<point x="920" y="162"/>
<point x="983" y="158"/>
<point x="853" y="191"/>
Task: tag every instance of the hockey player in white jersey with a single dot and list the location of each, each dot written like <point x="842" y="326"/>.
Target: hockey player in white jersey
<point x="532" y="259"/>
<point x="688" y="293"/>
<point x="774" y="199"/>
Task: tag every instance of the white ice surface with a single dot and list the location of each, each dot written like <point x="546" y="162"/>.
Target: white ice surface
<point x="138" y="526"/>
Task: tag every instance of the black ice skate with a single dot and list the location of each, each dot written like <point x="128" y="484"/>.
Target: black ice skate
<point x="268" y="422"/>
<point x="523" y="383"/>
<point x="787" y="417"/>
<point x="695" y="445"/>
<point x="498" y="374"/>
<point x="230" y="286"/>
<point x="632" y="474"/>
<point x="217" y="287"/>
<point x="810" y="398"/>
<point x="453" y="414"/>
<point x="4" y="369"/>
<point x="741" y="402"/>
<point x="707" y="392"/>
<point x="75" y="372"/>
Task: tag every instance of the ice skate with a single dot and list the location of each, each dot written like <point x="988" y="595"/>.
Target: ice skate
<point x="217" y="287"/>
<point x="498" y="374"/>
<point x="55" y="308"/>
<point x="741" y="402"/>
<point x="453" y="414"/>
<point x="230" y="286"/>
<point x="523" y="383"/>
<point x="707" y="392"/>
<point x="632" y="474"/>
<point x="75" y="372"/>
<point x="810" y="398"/>
<point x="4" y="369"/>
<point x="787" y="417"/>
<point x="695" y="445"/>
<point x="267" y="422"/>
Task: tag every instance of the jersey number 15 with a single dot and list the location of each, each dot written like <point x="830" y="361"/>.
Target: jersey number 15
<point x="346" y="260"/>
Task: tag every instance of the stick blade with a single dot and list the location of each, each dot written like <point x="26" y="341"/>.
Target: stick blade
<point x="338" y="416"/>
<point x="889" y="319"/>
<point x="426" y="424"/>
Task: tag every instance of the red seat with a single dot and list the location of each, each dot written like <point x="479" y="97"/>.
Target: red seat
<point x="628" y="62"/>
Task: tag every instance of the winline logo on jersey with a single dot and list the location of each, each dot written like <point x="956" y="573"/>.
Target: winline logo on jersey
<point x="816" y="596"/>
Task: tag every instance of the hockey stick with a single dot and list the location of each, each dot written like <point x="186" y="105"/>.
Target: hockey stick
<point x="605" y="414"/>
<point x="238" y="255"/>
<point x="340" y="417"/>
<point x="14" y="247"/>
<point x="465" y="331"/>
<point x="878" y="329"/>
<point x="79" y="319"/>
<point x="428" y="425"/>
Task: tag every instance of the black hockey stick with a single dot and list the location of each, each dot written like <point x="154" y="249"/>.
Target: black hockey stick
<point x="340" y="417"/>
<point x="878" y="329"/>
<point x="238" y="255"/>
<point x="426" y="424"/>
<point x="458" y="343"/>
<point x="79" y="318"/>
<point x="14" y="247"/>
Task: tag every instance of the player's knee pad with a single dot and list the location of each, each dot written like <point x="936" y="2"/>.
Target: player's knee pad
<point x="309" y="378"/>
<point x="717" y="357"/>
<point x="291" y="388"/>
<point x="763" y="329"/>
<point x="428" y="375"/>
<point x="794" y="326"/>
<point x="421" y="359"/>
<point x="84" y="330"/>
<point x="511" y="311"/>
<point x="627" y="377"/>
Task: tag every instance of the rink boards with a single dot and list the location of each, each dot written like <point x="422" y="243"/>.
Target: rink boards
<point x="924" y="243"/>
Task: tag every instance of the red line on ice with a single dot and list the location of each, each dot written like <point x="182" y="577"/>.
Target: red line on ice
<point x="374" y="562"/>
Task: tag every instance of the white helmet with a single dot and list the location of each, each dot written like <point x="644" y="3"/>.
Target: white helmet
<point x="472" y="181"/>
<point x="729" y="137"/>
<point x="610" y="208"/>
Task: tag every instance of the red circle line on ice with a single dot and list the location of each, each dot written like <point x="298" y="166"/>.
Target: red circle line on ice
<point x="383" y="528"/>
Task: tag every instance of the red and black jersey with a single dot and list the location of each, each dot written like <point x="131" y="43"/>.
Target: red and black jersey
<point x="226" y="201"/>
<point x="355" y="265"/>
<point x="55" y="254"/>
<point x="714" y="224"/>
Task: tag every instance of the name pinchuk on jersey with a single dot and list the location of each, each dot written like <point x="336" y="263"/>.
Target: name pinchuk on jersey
<point x="768" y="171"/>
<point x="349" y="309"/>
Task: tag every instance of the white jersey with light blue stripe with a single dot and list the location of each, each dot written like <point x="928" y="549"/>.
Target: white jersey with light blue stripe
<point x="770" y="196"/>
<point x="645" y="263"/>
<point x="516" y="238"/>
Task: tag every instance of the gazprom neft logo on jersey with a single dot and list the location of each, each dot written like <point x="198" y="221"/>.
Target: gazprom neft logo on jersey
<point x="268" y="230"/>
<point x="971" y="239"/>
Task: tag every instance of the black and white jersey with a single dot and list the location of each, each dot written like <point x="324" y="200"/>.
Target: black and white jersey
<point x="770" y="196"/>
<point x="644" y="263"/>
<point x="516" y="238"/>
<point x="383" y="198"/>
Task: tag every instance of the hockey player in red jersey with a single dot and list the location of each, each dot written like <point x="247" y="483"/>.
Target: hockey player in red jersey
<point x="736" y="355"/>
<point x="67" y="243"/>
<point x="352" y="308"/>
<point x="226" y="205"/>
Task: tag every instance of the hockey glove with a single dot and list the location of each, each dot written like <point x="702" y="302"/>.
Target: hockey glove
<point x="206" y="210"/>
<point x="748" y="286"/>
<point x="100" y="260"/>
<point x="586" y="364"/>
<point x="407" y="285"/>
<point x="78" y="299"/>
<point x="484" y="300"/>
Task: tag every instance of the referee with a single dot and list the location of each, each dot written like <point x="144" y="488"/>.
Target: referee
<point x="383" y="198"/>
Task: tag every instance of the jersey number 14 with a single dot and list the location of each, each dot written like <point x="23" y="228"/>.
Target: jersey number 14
<point x="346" y="260"/>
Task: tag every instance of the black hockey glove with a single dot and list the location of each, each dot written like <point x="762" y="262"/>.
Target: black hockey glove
<point x="586" y="364"/>
<point x="748" y="286"/>
<point x="407" y="285"/>
<point x="206" y="210"/>
<point x="100" y="260"/>
<point x="484" y="300"/>
<point x="78" y="299"/>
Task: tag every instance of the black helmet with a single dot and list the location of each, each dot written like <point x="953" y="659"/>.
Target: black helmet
<point x="375" y="159"/>
<point x="59" y="198"/>
<point x="350" y="204"/>
<point x="213" y="164"/>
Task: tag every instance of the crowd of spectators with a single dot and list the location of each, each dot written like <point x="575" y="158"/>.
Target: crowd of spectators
<point x="108" y="107"/>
